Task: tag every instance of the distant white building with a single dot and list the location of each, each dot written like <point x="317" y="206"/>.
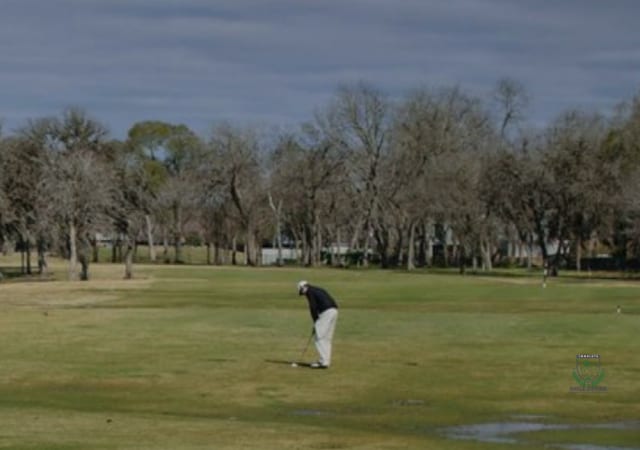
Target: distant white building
<point x="270" y="255"/>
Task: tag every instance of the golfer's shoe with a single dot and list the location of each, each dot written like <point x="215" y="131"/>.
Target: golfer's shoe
<point x="318" y="365"/>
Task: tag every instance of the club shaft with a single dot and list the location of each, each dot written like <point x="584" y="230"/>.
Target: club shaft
<point x="306" y="347"/>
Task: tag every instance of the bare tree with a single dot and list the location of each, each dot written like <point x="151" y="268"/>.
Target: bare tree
<point x="512" y="101"/>
<point x="76" y="131"/>
<point x="358" y="121"/>
<point x="130" y="200"/>
<point x="6" y="215"/>
<point x="22" y="162"/>
<point x="78" y="193"/>
<point x="586" y="185"/>
<point x="307" y="174"/>
<point x="148" y="140"/>
<point x="440" y="139"/>
<point x="184" y="154"/>
<point x="237" y="156"/>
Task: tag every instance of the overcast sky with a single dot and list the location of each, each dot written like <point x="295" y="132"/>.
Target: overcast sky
<point x="272" y="62"/>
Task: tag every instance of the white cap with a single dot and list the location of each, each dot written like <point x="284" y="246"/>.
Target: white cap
<point x="301" y="284"/>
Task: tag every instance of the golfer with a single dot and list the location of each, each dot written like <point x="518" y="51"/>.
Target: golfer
<point x="324" y="312"/>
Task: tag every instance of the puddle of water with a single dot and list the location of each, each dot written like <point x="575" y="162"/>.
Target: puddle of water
<point x="506" y="432"/>
<point x="499" y="431"/>
<point x="591" y="447"/>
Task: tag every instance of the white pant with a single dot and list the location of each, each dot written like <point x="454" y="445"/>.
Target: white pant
<point x="325" y="326"/>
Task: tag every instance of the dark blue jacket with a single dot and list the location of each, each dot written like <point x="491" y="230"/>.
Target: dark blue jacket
<point x="319" y="301"/>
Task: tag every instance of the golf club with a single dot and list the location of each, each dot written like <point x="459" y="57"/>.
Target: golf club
<point x="293" y="363"/>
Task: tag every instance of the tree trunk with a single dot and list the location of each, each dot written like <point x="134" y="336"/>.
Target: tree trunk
<point x="95" y="249"/>
<point x="445" y="254"/>
<point x="530" y="254"/>
<point x="578" y="254"/>
<point x="486" y="256"/>
<point x="250" y="249"/>
<point x="367" y="245"/>
<point x="411" y="247"/>
<point x="152" y="249"/>
<point x="337" y="258"/>
<point x="257" y="248"/>
<point x="165" y="246"/>
<point x="120" y="253"/>
<point x="128" y="261"/>
<point x="593" y="242"/>
<point x="28" y="250"/>
<point x="280" y="257"/>
<point x="84" y="267"/>
<point x="84" y="251"/>
<point x="178" y="258"/>
<point x="42" y="261"/>
<point x="429" y="241"/>
<point x="23" y="258"/>
<point x="305" y="260"/>
<point x="209" y="253"/>
<point x="277" y="211"/>
<point x="429" y="252"/>
<point x="216" y="253"/>
<point x="312" y="242"/>
<point x="177" y="236"/>
<point x="542" y="242"/>
<point x="399" y="247"/>
<point x="591" y="250"/>
<point x="73" y="252"/>
<point x="353" y="245"/>
<point x="382" y="244"/>
<point x="318" y="242"/>
<point x="234" y="256"/>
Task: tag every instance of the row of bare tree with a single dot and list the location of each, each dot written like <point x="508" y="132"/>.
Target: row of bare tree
<point x="390" y="180"/>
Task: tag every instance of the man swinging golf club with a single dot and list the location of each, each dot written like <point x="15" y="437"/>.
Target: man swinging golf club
<point x="324" y="312"/>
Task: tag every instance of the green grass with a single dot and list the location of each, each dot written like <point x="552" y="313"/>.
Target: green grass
<point x="184" y="358"/>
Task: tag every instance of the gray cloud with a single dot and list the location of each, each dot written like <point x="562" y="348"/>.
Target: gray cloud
<point x="275" y="61"/>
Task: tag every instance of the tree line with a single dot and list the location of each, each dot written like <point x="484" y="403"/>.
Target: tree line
<point x="438" y="177"/>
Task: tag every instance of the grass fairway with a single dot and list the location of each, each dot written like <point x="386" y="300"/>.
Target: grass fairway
<point x="190" y="358"/>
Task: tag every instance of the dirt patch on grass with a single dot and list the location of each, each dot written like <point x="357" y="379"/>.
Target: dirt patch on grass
<point x="67" y="294"/>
